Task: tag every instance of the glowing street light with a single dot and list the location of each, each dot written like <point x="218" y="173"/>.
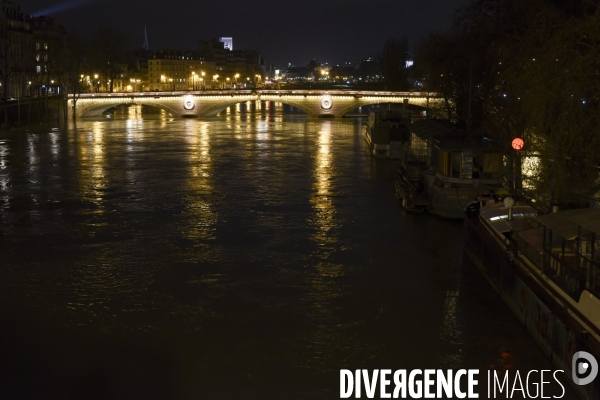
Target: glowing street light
<point x="517" y="144"/>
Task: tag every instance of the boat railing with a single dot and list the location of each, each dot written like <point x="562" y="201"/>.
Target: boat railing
<point x="416" y="156"/>
<point x="566" y="275"/>
<point x="560" y="260"/>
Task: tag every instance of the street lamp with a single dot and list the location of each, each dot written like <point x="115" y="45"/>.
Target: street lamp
<point x="236" y="78"/>
<point x="202" y="79"/>
<point x="216" y="79"/>
<point x="193" y="80"/>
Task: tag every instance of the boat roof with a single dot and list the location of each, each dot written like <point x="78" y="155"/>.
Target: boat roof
<point x="460" y="142"/>
<point x="447" y="136"/>
<point x="427" y="128"/>
<point x="497" y="217"/>
<point x="567" y="223"/>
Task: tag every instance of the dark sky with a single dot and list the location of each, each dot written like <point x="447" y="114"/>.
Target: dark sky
<point x="331" y="31"/>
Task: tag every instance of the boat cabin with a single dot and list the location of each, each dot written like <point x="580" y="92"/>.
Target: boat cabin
<point x="452" y="153"/>
<point x="564" y="246"/>
<point x="571" y="250"/>
<point x="387" y="132"/>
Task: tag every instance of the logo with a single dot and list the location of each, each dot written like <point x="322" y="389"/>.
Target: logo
<point x="584" y="368"/>
<point x="188" y="103"/>
<point x="326" y="103"/>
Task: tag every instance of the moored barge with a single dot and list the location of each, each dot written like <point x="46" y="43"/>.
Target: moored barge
<point x="386" y="133"/>
<point x="546" y="268"/>
<point x="443" y="168"/>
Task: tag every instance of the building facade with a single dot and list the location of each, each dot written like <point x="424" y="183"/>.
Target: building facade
<point x="30" y="50"/>
<point x="179" y="70"/>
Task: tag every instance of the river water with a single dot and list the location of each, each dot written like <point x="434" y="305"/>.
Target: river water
<point x="248" y="256"/>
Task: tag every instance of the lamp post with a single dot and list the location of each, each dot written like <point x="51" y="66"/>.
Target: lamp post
<point x="216" y="79"/>
<point x="236" y="79"/>
<point x="202" y="80"/>
<point x="97" y="83"/>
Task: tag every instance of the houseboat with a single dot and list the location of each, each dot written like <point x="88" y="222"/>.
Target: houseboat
<point x="443" y="168"/>
<point x="386" y="133"/>
<point x="546" y="268"/>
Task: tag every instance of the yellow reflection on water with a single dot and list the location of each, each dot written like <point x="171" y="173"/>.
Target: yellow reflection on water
<point x="321" y="200"/>
<point x="93" y="165"/>
<point x="134" y="112"/>
<point x="55" y="146"/>
<point x="200" y="186"/>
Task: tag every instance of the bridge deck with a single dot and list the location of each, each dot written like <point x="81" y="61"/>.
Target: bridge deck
<point x="203" y="103"/>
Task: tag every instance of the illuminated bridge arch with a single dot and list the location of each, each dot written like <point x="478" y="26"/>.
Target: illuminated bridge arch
<point x="218" y="106"/>
<point x="90" y="109"/>
<point x="315" y="103"/>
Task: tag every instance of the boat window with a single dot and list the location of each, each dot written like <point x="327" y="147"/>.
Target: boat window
<point x="445" y="163"/>
<point x="456" y="164"/>
<point x="477" y="172"/>
<point x="574" y="265"/>
<point x="492" y="165"/>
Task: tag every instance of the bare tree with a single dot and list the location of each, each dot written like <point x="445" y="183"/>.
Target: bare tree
<point x="72" y="67"/>
<point x="527" y="69"/>
<point x="108" y="55"/>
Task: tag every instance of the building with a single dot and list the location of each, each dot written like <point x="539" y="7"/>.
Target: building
<point x="30" y="53"/>
<point x="227" y="42"/>
<point x="49" y="41"/>
<point x="16" y="64"/>
<point x="179" y="70"/>
<point x="233" y="68"/>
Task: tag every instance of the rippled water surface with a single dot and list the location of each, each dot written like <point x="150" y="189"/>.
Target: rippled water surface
<point x="252" y="255"/>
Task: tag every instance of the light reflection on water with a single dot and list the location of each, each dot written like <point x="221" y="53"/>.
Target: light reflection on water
<point x="255" y="248"/>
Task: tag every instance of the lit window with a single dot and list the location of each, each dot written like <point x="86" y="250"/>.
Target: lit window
<point x="37" y="46"/>
<point x="38" y="69"/>
<point x="45" y="46"/>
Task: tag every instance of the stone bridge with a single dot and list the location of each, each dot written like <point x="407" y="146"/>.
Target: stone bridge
<point x="315" y="103"/>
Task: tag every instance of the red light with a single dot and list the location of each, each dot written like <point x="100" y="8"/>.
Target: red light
<point x="517" y="143"/>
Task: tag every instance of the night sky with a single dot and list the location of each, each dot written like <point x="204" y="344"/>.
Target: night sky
<point x="283" y="31"/>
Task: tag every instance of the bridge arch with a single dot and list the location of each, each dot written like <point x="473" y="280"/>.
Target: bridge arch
<point x="89" y="109"/>
<point x="214" y="109"/>
<point x="419" y="103"/>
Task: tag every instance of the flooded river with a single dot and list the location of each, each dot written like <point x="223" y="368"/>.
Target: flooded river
<point x="248" y="256"/>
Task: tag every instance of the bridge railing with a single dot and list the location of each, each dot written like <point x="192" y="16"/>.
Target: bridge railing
<point x="249" y="92"/>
